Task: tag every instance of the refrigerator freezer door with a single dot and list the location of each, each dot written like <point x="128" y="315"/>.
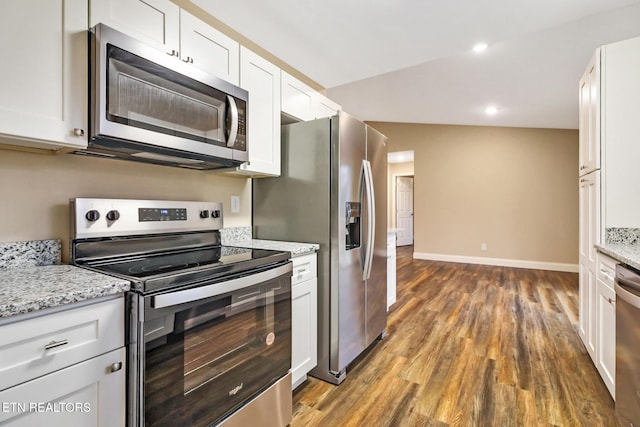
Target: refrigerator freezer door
<point x="376" y="292"/>
<point x="348" y="335"/>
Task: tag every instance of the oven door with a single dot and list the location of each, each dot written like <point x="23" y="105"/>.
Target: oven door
<point x="206" y="351"/>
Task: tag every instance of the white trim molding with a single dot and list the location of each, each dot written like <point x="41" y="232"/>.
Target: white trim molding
<point x="517" y="263"/>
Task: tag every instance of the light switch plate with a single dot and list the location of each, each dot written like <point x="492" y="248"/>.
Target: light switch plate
<point x="235" y="204"/>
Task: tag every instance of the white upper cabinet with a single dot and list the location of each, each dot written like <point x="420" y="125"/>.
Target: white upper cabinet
<point x="262" y="80"/>
<point x="209" y="49"/>
<point x="302" y="102"/>
<point x="154" y="22"/>
<point x="589" y="105"/>
<point x="325" y="107"/>
<point x="620" y="130"/>
<point x="43" y="77"/>
<point x="163" y="25"/>
<point x="297" y="98"/>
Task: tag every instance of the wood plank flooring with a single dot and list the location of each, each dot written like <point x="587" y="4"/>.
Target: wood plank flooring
<point x="468" y="345"/>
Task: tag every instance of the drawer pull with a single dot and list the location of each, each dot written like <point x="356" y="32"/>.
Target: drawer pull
<point x="612" y="302"/>
<point x="302" y="270"/>
<point x="115" y="367"/>
<point x="54" y="344"/>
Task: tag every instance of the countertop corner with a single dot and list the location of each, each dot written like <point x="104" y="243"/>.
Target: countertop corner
<point x="29" y="289"/>
<point x="626" y="253"/>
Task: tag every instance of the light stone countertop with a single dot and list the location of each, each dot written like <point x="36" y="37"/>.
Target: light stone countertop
<point x="296" y="249"/>
<point x="29" y="289"/>
<point x="626" y="253"/>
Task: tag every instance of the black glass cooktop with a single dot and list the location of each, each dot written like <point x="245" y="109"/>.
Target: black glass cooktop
<point x="170" y="269"/>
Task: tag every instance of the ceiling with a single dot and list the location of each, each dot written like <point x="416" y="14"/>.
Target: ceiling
<point x="412" y="60"/>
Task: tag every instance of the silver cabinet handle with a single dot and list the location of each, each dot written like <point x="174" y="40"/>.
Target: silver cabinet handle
<point x="583" y="167"/>
<point x="54" y="344"/>
<point x="173" y="52"/>
<point x="612" y="302"/>
<point x="78" y="132"/>
<point x="115" y="367"/>
<point x="188" y="60"/>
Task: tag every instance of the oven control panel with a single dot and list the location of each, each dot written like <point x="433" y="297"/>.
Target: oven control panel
<point x="125" y="217"/>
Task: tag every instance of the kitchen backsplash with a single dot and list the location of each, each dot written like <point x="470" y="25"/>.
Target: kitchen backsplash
<point x="235" y="234"/>
<point x="627" y="236"/>
<point x="29" y="254"/>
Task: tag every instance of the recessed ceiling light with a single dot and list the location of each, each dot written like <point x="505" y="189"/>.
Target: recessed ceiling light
<point x="491" y="110"/>
<point x="479" y="47"/>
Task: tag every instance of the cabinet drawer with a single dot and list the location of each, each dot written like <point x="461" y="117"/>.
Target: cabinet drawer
<point x="44" y="344"/>
<point x="304" y="268"/>
<point x="606" y="269"/>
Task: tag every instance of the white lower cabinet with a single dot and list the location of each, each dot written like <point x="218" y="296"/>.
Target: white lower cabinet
<point x="605" y="322"/>
<point x="90" y="393"/>
<point x="65" y="368"/>
<point x="304" y="318"/>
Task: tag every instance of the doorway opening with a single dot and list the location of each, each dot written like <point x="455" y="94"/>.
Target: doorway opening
<point x="400" y="209"/>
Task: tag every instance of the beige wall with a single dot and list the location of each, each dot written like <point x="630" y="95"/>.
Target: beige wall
<point x="511" y="188"/>
<point x="36" y="188"/>
<point x="393" y="170"/>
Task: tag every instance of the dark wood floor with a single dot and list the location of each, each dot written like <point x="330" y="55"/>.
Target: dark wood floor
<point x="469" y="345"/>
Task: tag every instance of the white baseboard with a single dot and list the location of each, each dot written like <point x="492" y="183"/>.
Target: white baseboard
<point x="536" y="265"/>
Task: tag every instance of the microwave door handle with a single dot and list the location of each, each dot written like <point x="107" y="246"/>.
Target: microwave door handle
<point x="233" y="112"/>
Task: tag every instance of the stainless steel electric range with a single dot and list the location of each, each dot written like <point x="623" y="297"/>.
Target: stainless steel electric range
<point x="209" y="326"/>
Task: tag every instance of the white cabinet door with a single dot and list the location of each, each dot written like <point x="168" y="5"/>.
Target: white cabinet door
<point x="209" y="49"/>
<point x="297" y="98"/>
<point x="43" y="77"/>
<point x="154" y="22"/>
<point x="589" y="105"/>
<point x="606" y="335"/>
<point x="589" y="236"/>
<point x="262" y="80"/>
<point x="91" y="393"/>
<point x="304" y="325"/>
<point x="325" y="107"/>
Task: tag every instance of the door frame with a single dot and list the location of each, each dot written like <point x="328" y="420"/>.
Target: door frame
<point x="394" y="201"/>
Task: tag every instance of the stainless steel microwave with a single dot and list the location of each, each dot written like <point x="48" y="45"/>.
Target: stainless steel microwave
<point x="148" y="106"/>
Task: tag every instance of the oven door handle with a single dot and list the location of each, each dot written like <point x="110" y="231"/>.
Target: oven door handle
<point x="188" y="295"/>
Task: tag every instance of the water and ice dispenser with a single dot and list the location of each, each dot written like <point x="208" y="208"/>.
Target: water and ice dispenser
<point x="353" y="225"/>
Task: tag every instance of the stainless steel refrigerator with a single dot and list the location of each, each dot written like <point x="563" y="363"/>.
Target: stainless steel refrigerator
<point x="333" y="191"/>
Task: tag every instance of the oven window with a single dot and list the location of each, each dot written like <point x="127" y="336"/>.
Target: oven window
<point x="148" y="96"/>
<point x="204" y="361"/>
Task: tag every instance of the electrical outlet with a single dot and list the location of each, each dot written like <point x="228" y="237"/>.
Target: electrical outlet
<point x="235" y="204"/>
<point x="483" y="247"/>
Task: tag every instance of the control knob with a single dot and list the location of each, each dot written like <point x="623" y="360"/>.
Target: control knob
<point x="92" y="215"/>
<point x="215" y="214"/>
<point x="204" y="214"/>
<point x="113" y="215"/>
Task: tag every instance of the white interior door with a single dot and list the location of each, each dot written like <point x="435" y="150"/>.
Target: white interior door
<point x="404" y="210"/>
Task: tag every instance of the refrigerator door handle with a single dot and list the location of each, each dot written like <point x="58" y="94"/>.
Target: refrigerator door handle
<point x="361" y="190"/>
<point x="371" y="219"/>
